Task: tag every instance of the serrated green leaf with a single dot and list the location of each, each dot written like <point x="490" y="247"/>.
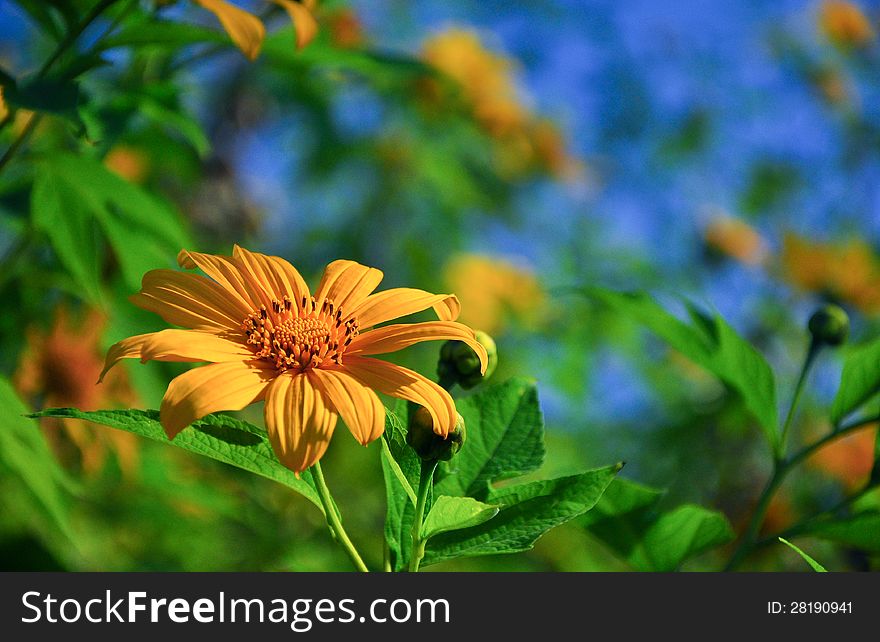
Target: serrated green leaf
<point x="58" y="211"/>
<point x="454" y="513"/>
<point x="143" y="231"/>
<point x="628" y="520"/>
<point x="713" y="344"/>
<point x="859" y="380"/>
<point x="24" y="451"/>
<point x="400" y="510"/>
<point x="809" y="560"/>
<point x="862" y="530"/>
<point x="218" y="437"/>
<point x="526" y="512"/>
<point x="505" y="438"/>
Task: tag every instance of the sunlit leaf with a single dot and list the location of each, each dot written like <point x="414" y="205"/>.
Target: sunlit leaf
<point x="859" y="380"/>
<point x="454" y="513"/>
<point x="809" y="560"/>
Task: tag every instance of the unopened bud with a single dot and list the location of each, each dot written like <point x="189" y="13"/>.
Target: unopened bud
<point x="829" y="325"/>
<point x="460" y="364"/>
<point x="429" y="445"/>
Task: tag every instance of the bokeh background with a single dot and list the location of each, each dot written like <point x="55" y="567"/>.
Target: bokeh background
<point x="724" y="151"/>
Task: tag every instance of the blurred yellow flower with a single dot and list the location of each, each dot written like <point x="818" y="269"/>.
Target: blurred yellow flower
<point x="737" y="239"/>
<point x="849" y="459"/>
<point x="57" y="369"/>
<point x="492" y="291"/>
<point x="4" y="110"/>
<point x="267" y="338"/>
<point x="345" y="28"/>
<point x="485" y="79"/>
<point x="247" y="31"/>
<point x="551" y="153"/>
<point x="845" y="24"/>
<point x="130" y="163"/>
<point x="847" y="271"/>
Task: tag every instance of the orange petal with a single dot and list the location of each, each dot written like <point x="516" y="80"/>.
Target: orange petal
<point x="245" y="29"/>
<point x="391" y="338"/>
<point x="225" y="272"/>
<point x="275" y="275"/>
<point x="304" y="23"/>
<point x="399" y="302"/>
<point x="358" y="406"/>
<point x="397" y="381"/>
<point x="347" y="284"/>
<point x="188" y="300"/>
<point x="219" y="386"/>
<point x="177" y="345"/>
<point x="299" y="419"/>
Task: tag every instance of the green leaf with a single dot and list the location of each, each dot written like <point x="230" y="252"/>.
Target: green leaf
<point x="628" y="520"/>
<point x="505" y="438"/>
<point x="218" y="437"/>
<point x="401" y="468"/>
<point x="159" y="33"/>
<point x="711" y="343"/>
<point x="862" y="530"/>
<point x="142" y="230"/>
<point x="47" y="95"/>
<point x="58" y="210"/>
<point x="183" y="123"/>
<point x="526" y="512"/>
<point x="24" y="451"/>
<point x="453" y="513"/>
<point x="859" y="381"/>
<point x="809" y="560"/>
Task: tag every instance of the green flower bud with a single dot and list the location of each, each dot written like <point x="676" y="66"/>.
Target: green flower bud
<point x="829" y="325"/>
<point x="429" y="445"/>
<point x="460" y="364"/>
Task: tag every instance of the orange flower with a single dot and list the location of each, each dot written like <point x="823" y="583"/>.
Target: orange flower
<point x="849" y="271"/>
<point x="346" y="30"/>
<point x="246" y="30"/>
<point x="848" y="459"/>
<point x="736" y="239"/>
<point x="267" y="338"/>
<point x="57" y="368"/>
<point x="128" y="162"/>
<point x="844" y="24"/>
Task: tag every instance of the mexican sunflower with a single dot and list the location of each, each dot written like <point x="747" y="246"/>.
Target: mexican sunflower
<point x="266" y="337"/>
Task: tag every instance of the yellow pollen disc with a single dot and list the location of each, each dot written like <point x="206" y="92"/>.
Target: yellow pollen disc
<point x="298" y="335"/>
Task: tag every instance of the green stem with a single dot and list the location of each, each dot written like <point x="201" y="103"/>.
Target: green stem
<point x="798" y="390"/>
<point x="780" y="471"/>
<point x="333" y="519"/>
<point x="426" y="482"/>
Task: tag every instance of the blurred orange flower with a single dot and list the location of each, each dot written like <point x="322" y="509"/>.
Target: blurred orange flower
<point x="266" y="337"/>
<point x="737" y="239"/>
<point x="780" y="515"/>
<point x="847" y="271"/>
<point x="845" y="24"/>
<point x="849" y="459"/>
<point x="346" y="30"/>
<point x="492" y="291"/>
<point x="247" y="31"/>
<point x="58" y="368"/>
<point x="130" y="163"/>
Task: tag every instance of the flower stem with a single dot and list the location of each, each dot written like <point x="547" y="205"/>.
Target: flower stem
<point x="798" y="390"/>
<point x="780" y="471"/>
<point x="333" y="520"/>
<point x="426" y="482"/>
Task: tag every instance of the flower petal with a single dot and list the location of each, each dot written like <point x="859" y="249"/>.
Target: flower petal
<point x="304" y="23"/>
<point x="276" y="276"/>
<point x="397" y="381"/>
<point x="177" y="345"/>
<point x="358" y="406"/>
<point x="347" y="284"/>
<point x="299" y="419"/>
<point x="391" y="338"/>
<point x="245" y="29"/>
<point x="224" y="271"/>
<point x="219" y="386"/>
<point x="188" y="300"/>
<point x="399" y="302"/>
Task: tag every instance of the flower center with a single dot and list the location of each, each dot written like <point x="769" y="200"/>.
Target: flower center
<point x="299" y="337"/>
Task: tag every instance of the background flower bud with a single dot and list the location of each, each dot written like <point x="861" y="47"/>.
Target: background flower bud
<point x="429" y="445"/>
<point x="829" y="325"/>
